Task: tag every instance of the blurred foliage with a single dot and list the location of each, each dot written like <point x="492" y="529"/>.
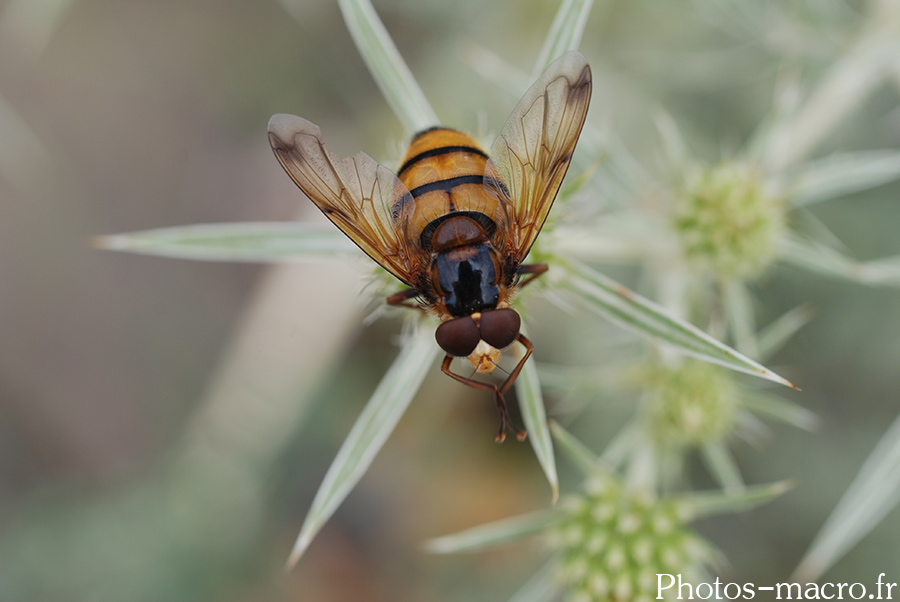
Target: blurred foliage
<point x="136" y="463"/>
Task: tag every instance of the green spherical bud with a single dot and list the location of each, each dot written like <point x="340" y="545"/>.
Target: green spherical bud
<point x="624" y="539"/>
<point x="728" y="221"/>
<point x="693" y="404"/>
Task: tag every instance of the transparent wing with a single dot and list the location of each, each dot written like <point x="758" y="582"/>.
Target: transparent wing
<point x="533" y="152"/>
<point x="357" y="193"/>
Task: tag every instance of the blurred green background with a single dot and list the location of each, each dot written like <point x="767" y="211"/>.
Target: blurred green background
<point x="164" y="424"/>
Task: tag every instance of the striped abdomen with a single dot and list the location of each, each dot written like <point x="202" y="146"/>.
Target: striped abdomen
<point x="444" y="172"/>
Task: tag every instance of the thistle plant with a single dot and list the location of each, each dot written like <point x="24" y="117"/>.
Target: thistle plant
<point x="727" y="222"/>
<point x="612" y="543"/>
<point x="703" y="230"/>
<point x="692" y="404"/>
<point x="612" y="540"/>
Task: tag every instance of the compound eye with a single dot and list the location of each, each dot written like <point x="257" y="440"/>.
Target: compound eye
<point x="458" y="337"/>
<point x="500" y="327"/>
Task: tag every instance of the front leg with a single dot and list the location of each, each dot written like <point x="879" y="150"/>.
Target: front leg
<point x="498" y="392"/>
<point x="530" y="271"/>
<point x="529" y="347"/>
<point x="403" y="299"/>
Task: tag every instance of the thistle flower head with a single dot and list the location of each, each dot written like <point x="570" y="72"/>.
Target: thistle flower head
<point x="694" y="403"/>
<point x="728" y="220"/>
<point x="613" y="542"/>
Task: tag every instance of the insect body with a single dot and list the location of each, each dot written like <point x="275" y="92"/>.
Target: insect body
<point x="455" y="223"/>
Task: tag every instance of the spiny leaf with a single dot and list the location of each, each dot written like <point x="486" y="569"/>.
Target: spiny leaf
<point x="873" y="493"/>
<point x="841" y="174"/>
<point x="577" y="451"/>
<point x="831" y="262"/>
<point x="633" y="311"/>
<point x="493" y="534"/>
<point x="371" y="430"/>
<point x="387" y="67"/>
<point x="700" y="504"/>
<point x="531" y="402"/>
<point x="239" y="241"/>
<point x="565" y="32"/>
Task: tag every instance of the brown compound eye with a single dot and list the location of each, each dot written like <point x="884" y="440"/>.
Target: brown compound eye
<point x="458" y="337"/>
<point x="500" y="327"/>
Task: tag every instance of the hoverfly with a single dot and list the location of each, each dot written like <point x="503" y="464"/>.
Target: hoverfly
<point x="455" y="223"/>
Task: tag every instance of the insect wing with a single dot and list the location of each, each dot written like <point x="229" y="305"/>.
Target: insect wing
<point x="356" y="193"/>
<point x="533" y="152"/>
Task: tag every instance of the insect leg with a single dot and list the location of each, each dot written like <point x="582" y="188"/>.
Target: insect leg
<point x="402" y="297"/>
<point x="531" y="271"/>
<point x="499" y="400"/>
<point x="529" y="347"/>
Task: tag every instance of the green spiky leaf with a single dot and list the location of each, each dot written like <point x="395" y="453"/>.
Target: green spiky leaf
<point x="240" y="241"/>
<point x="633" y="311"/>
<point x="371" y="430"/>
